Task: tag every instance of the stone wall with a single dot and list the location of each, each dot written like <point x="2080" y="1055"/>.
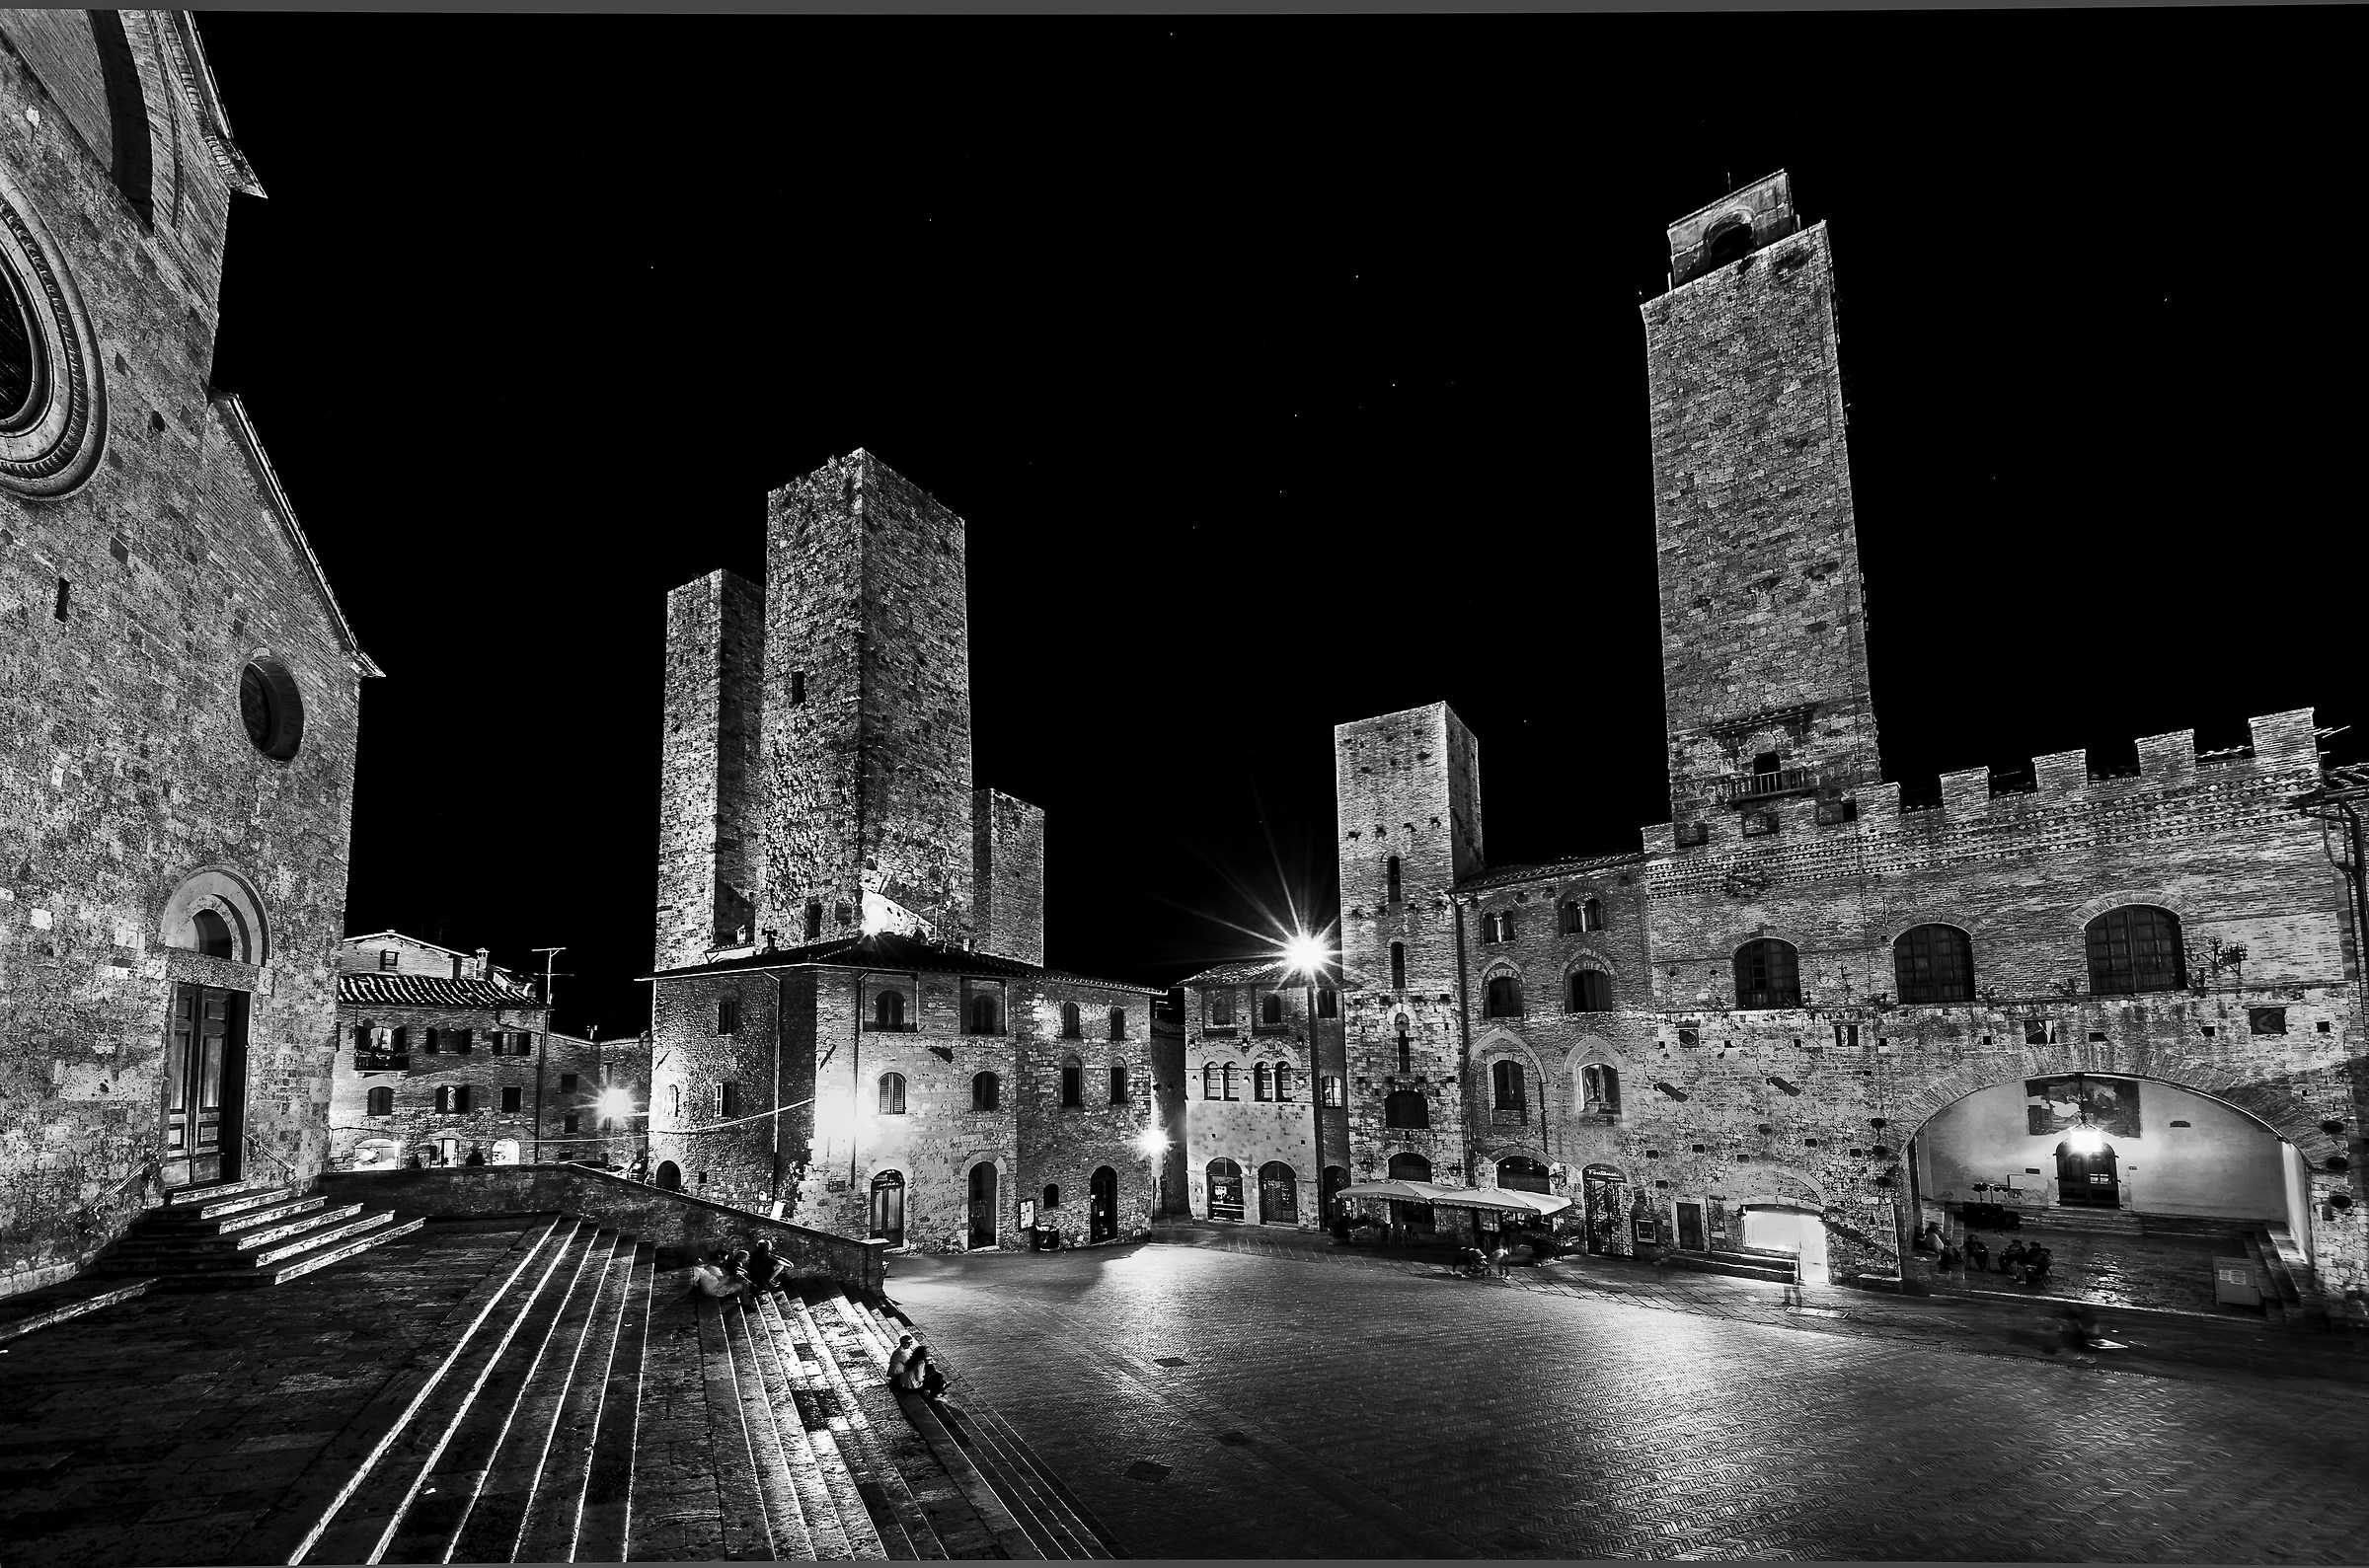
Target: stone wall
<point x="1008" y="866"/>
<point x="709" y="834"/>
<point x="676" y="1221"/>
<point x="1064" y="1145"/>
<point x="546" y="1101"/>
<point x="128" y="607"/>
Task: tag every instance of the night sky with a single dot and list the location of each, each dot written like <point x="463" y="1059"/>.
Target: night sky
<point x="1285" y="374"/>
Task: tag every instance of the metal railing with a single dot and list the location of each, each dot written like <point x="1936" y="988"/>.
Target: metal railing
<point x="255" y="1146"/>
<point x="1760" y="785"/>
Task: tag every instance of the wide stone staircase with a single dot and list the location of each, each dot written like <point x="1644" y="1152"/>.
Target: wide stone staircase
<point x="578" y="1406"/>
<point x="1780" y="1267"/>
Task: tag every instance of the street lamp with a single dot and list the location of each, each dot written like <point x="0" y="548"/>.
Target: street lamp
<point x="1309" y="957"/>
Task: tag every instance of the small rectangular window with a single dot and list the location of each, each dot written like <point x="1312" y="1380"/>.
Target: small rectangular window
<point x="566" y="1083"/>
<point x="798" y="687"/>
<point x="728" y="1101"/>
<point x="1327" y="1004"/>
<point x="1692" y="835"/>
<point x="511" y="1097"/>
<point x="2036" y="1031"/>
<point x="728" y="1015"/>
<point x="388" y="958"/>
<point x="2266" y="1020"/>
<point x="65" y="593"/>
<point x="568" y="1122"/>
<point x="1332" y="1091"/>
<point x="1221" y="1006"/>
<point x="466" y="1041"/>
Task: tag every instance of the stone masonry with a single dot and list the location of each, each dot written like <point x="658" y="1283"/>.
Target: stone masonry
<point x="709" y="837"/>
<point x="162" y="801"/>
<point x="1255" y="1091"/>
<point x="1782" y="833"/>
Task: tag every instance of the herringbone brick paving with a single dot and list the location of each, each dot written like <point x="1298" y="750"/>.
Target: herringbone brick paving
<point x="1341" y="1403"/>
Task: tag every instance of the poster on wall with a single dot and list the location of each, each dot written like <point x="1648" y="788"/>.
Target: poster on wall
<point x="2053" y="1104"/>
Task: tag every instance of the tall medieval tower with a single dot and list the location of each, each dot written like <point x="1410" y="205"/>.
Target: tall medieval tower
<point x="1763" y="613"/>
<point x="817" y="750"/>
<point x="1407" y="792"/>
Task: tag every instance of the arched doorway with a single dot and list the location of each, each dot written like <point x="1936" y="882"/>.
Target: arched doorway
<point x="1522" y="1174"/>
<point x="2085" y="1179"/>
<point x="1103" y="1225"/>
<point x="1334" y="1179"/>
<point x="1279" y="1194"/>
<point x="982" y="1204"/>
<point x="888" y="1204"/>
<point x="1225" y="1190"/>
<point x="671" y="1177"/>
<point x="1788" y="1229"/>
<point x="506" y="1150"/>
<point x="1414" y="1216"/>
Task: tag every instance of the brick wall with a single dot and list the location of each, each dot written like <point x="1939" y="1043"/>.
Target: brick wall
<point x="1009" y="867"/>
<point x="709" y="835"/>
<point x="1250" y="1132"/>
<point x="868" y="758"/>
<point x="1065" y="1146"/>
<point x="125" y="765"/>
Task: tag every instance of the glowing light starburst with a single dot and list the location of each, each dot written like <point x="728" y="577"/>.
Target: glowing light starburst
<point x="1307" y="955"/>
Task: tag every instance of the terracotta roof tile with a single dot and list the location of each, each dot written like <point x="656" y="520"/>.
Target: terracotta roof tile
<point x="431" y="991"/>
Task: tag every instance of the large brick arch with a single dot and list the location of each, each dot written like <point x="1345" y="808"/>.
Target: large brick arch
<point x="2274" y="1103"/>
<point x="2160" y="897"/>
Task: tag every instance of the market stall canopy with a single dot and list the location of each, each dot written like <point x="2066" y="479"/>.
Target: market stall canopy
<point x="1503" y="1200"/>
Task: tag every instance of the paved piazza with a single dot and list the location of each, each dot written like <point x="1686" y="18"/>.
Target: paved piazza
<point x="1328" y="1402"/>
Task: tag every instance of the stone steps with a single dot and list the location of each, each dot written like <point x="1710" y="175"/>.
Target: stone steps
<point x="1738" y="1265"/>
<point x="29" y="1310"/>
<point x="243" y="1235"/>
<point x="572" y="1408"/>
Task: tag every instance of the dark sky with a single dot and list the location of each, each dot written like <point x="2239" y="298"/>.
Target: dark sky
<point x="1285" y="374"/>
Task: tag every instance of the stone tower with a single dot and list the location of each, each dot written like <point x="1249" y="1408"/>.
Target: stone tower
<point x="867" y="759"/>
<point x="1763" y="613"/>
<point x="707" y="825"/>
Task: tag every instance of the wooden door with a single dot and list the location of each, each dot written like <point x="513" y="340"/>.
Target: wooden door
<point x="205" y="1084"/>
<point x="1104" y="1190"/>
<point x="889" y="1207"/>
<point x="2088" y="1180"/>
<point x="1279" y="1194"/>
<point x="1689" y="1227"/>
<point x="982" y="1205"/>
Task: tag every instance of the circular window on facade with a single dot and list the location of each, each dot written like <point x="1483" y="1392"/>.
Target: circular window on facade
<point x="53" y="405"/>
<point x="271" y="708"/>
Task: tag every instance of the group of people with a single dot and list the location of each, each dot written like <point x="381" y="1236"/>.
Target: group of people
<point x="2024" y="1262"/>
<point x="728" y="1271"/>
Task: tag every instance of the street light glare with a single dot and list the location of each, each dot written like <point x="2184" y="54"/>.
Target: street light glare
<point x="616" y="1102"/>
<point x="1306" y="954"/>
<point x="1152" y="1142"/>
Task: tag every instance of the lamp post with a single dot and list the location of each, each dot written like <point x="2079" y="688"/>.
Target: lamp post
<point x="1308" y="957"/>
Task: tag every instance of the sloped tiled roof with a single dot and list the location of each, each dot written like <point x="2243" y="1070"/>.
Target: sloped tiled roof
<point x="1503" y="876"/>
<point x="889" y="951"/>
<point x="1249" y="972"/>
<point x="431" y="991"/>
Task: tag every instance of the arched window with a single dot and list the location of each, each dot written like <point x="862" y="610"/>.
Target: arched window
<point x="1118" y="1023"/>
<point x="2135" y="949"/>
<point x="1261" y="1082"/>
<point x="1052" y="1195"/>
<point x="1591" y="991"/>
<point x="892" y="1094"/>
<point x="1600" y="1088"/>
<point x="1073" y="1081"/>
<point x="1393" y="879"/>
<point x="987" y="1092"/>
<point x="888" y="1010"/>
<point x="1398" y="966"/>
<point x="983" y="1016"/>
<point x="1504" y="997"/>
<point x="1768" y="974"/>
<point x="1283" y="1081"/>
<point x="1119" y="1083"/>
<point x="1226" y="1079"/>
<point x="1209" y="1082"/>
<point x="814" y="920"/>
<point x="1405" y="1109"/>
<point x="1521" y="1174"/>
<point x="1567" y="921"/>
<point x="1489" y="927"/>
<point x="1270" y="1008"/>
<point x="382" y="1102"/>
<point x="1071" y="1028"/>
<point x="1729" y="243"/>
<point x="889" y="1207"/>
<point x="213" y="935"/>
<point x="1591" y="915"/>
<point x="1934" y="964"/>
<point x="675" y="1093"/>
<point x="1505" y="1081"/>
<point x="1505" y="926"/>
<point x="1221" y="1007"/>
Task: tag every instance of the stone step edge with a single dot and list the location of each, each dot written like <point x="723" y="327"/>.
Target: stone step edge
<point x="235" y="1203"/>
<point x="557" y="1498"/>
<point x="210" y="1191"/>
<point x="229" y="1243"/>
<point x="826" y="1524"/>
<point x="160" y="1226"/>
<point x="1006" y="1436"/>
<point x="604" y="1510"/>
<point x="897" y="1517"/>
<point x="298" y="1267"/>
<point x="293" y="1525"/>
<point x="1011" y="1480"/>
<point x="66" y="1312"/>
<point x="1013" y="1541"/>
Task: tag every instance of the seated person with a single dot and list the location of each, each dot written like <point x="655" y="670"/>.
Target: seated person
<point x="1978" y="1255"/>
<point x="765" y="1268"/>
<point x="2011" y="1261"/>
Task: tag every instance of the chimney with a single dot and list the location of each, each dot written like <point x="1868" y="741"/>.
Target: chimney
<point x="485" y="963"/>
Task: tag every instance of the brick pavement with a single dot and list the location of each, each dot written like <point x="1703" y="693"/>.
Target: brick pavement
<point x="159" y="1430"/>
<point x="1333" y="1404"/>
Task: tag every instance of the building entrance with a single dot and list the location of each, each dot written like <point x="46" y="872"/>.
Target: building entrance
<point x="1225" y="1190"/>
<point x="1279" y="1194"/>
<point x="1690" y="1227"/>
<point x="205" y="1084"/>
<point x="889" y="1207"/>
<point x="1102" y="1223"/>
<point x="2087" y="1180"/>
<point x="982" y="1205"/>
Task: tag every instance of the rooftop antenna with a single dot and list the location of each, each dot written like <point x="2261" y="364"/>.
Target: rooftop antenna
<point x="550" y="957"/>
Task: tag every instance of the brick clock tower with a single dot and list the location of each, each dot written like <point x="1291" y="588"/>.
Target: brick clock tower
<point x="1763" y="611"/>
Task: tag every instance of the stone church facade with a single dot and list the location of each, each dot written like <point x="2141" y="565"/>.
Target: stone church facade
<point x="178" y="687"/>
<point x="852" y="1023"/>
<point x="1801" y="996"/>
